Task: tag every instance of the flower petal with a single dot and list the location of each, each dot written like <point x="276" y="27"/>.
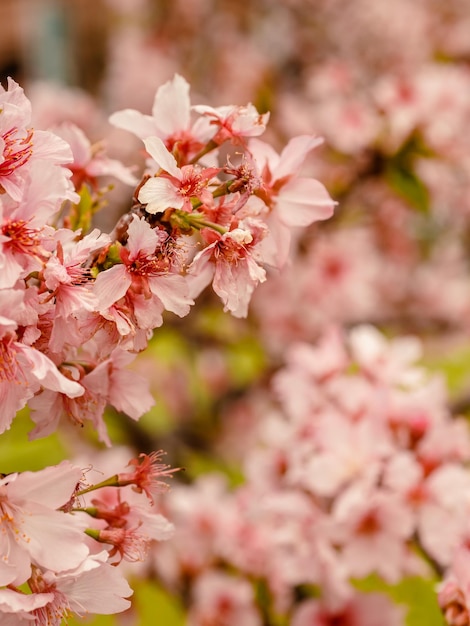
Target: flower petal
<point x="303" y="201"/>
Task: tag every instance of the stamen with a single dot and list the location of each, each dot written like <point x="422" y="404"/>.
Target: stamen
<point x="16" y="152"/>
<point x="22" y="238"/>
<point x="8" y="362"/>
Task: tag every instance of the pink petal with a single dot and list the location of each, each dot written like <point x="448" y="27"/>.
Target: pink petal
<point x="164" y="159"/>
<point x="46" y="410"/>
<point x="142" y="238"/>
<point x="52" y="486"/>
<point x="15" y="602"/>
<point x="303" y="201"/>
<point x="294" y="155"/>
<point x="171" y="108"/>
<point x="159" y="194"/>
<point x="111" y="285"/>
<point x="52" y="539"/>
<point x="129" y="393"/>
<point x="142" y="126"/>
<point x="78" y="142"/>
<point x="13" y="397"/>
<point x="46" y="373"/>
<point x="264" y="154"/>
<point x="172" y="290"/>
<point x="100" y="590"/>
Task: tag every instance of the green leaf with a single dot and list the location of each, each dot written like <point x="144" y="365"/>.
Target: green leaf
<point x="198" y="464"/>
<point x="418" y="594"/>
<point x="405" y="183"/>
<point x="455" y="366"/>
<point x="18" y="454"/>
<point x="246" y="361"/>
<point x="156" y="606"/>
<point x="80" y="214"/>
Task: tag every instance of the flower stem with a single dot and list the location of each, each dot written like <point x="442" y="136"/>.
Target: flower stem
<point x="109" y="482"/>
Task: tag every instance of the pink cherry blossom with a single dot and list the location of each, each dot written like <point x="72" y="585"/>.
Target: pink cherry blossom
<point x="392" y="361"/>
<point x="170" y="120"/>
<point x="175" y="187"/>
<point x="128" y="522"/>
<point x="141" y="273"/>
<point x="373" y="527"/>
<point x="104" y="382"/>
<point x="25" y="237"/>
<point x="33" y="532"/>
<point x="293" y="200"/>
<point x="147" y="474"/>
<point x="20" y="145"/>
<point x="365" y="610"/>
<point x="454" y="591"/>
<point x="65" y="274"/>
<point x="283" y="187"/>
<point x="92" y="587"/>
<point x="90" y="161"/>
<point x="234" y="123"/>
<point x="222" y="600"/>
<point x="230" y="263"/>
<point x="24" y="370"/>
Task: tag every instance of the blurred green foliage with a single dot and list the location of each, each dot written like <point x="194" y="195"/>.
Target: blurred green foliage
<point x="417" y="594"/>
<point x="18" y="454"/>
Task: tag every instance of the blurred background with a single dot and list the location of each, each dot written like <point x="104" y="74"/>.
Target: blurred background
<point x="388" y="87"/>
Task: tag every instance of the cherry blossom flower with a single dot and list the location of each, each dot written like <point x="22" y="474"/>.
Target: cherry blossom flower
<point x="373" y="527"/>
<point x="170" y="120"/>
<point x="293" y="200"/>
<point x="362" y="610"/>
<point x="132" y="523"/>
<point x="235" y="123"/>
<point x="299" y="201"/>
<point x="25" y="238"/>
<point x="33" y="532"/>
<point x="104" y="382"/>
<point x="438" y="498"/>
<point x="129" y="543"/>
<point x="24" y="370"/>
<point x="122" y="510"/>
<point x="223" y="600"/>
<point x="65" y="274"/>
<point x="230" y="262"/>
<point x="20" y="145"/>
<point x="453" y="595"/>
<point x="383" y="360"/>
<point x="147" y="474"/>
<point x="141" y="272"/>
<point x="93" y="587"/>
<point x="175" y="187"/>
<point x="90" y="161"/>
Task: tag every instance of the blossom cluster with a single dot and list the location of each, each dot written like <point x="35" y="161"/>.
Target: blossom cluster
<point x="389" y="91"/>
<point x="76" y="306"/>
<point x="215" y="205"/>
<point x="353" y="471"/>
<point x="353" y="466"/>
<point x="60" y="552"/>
